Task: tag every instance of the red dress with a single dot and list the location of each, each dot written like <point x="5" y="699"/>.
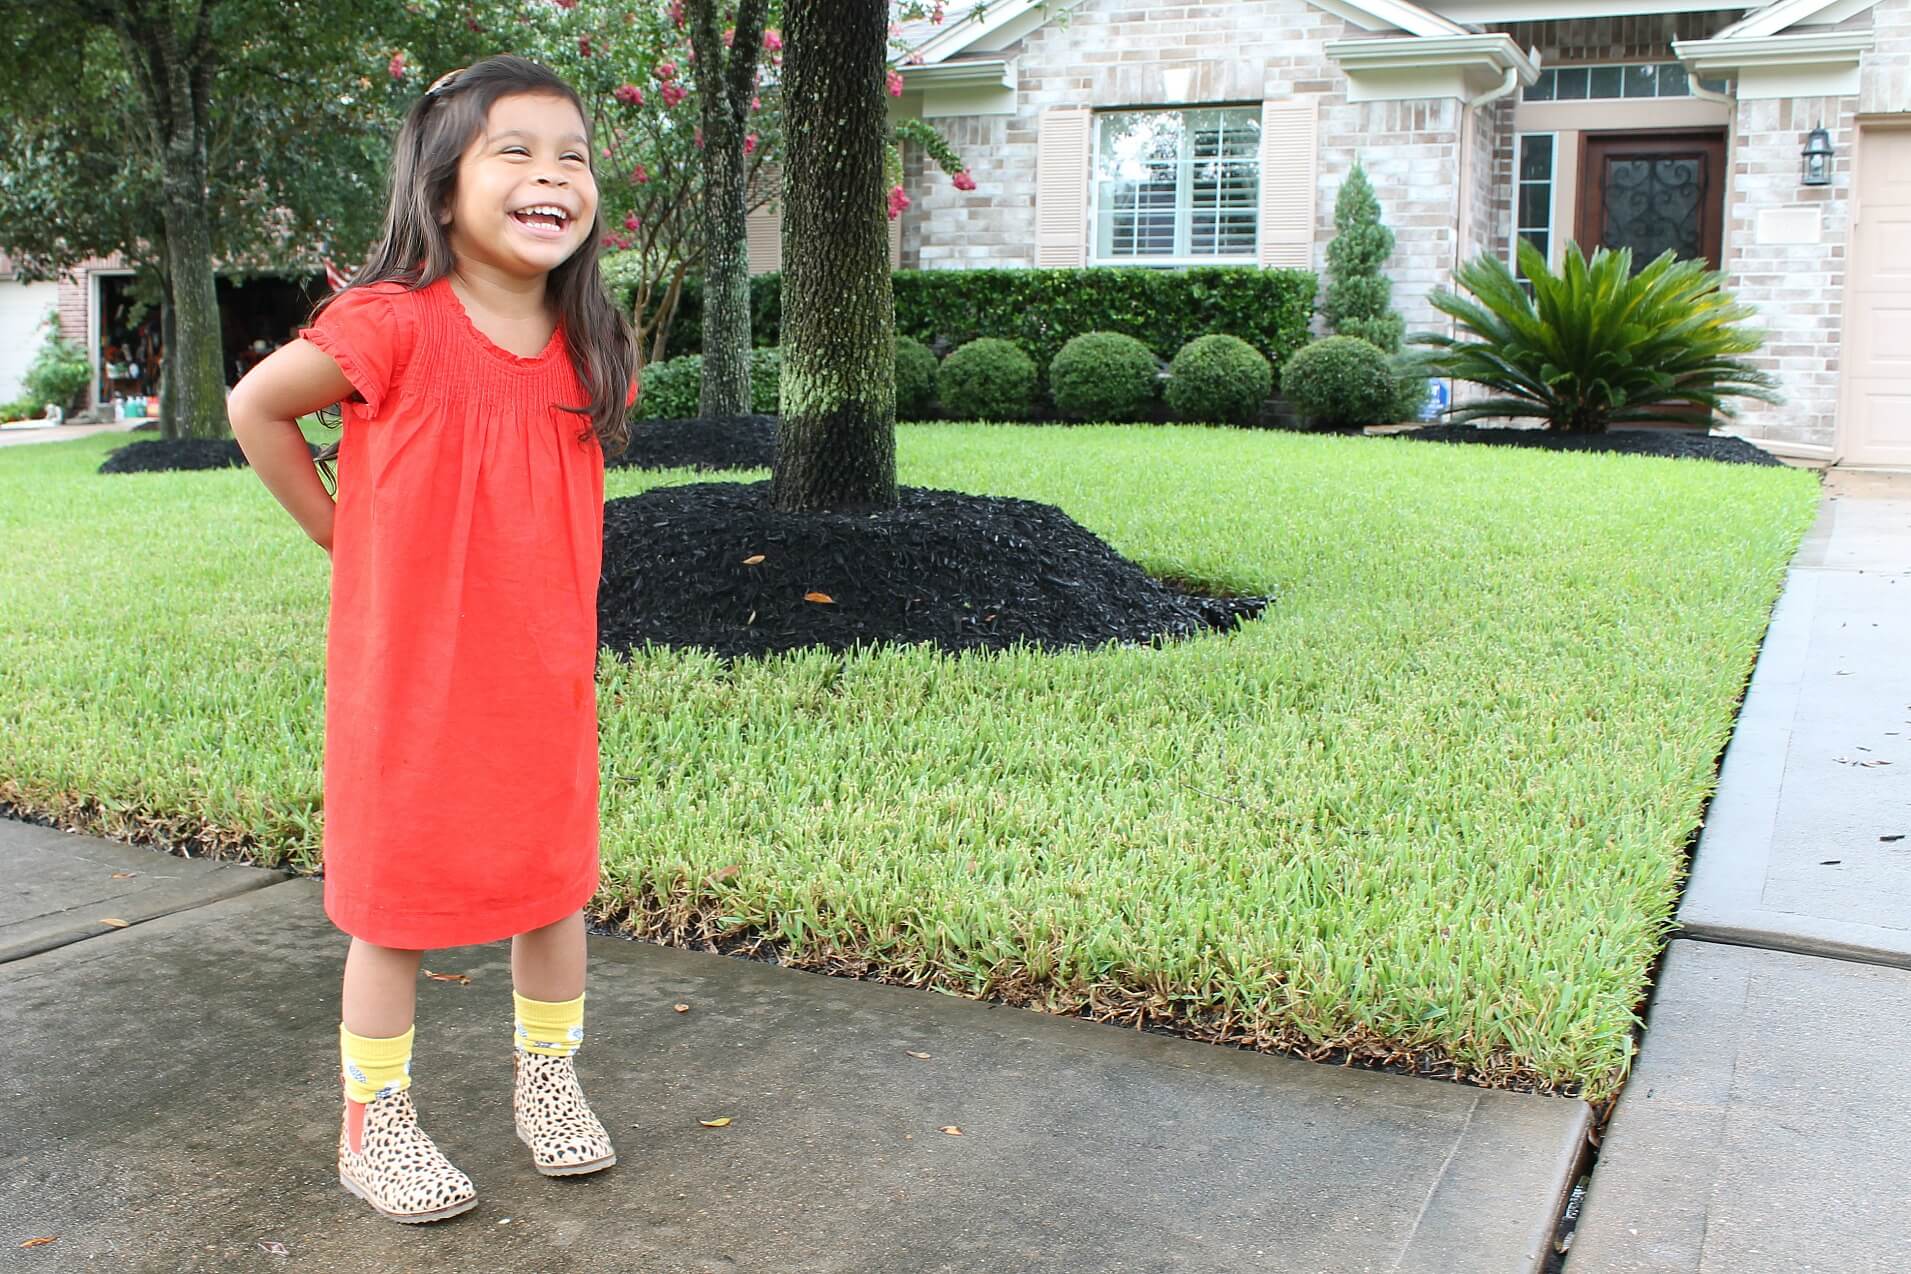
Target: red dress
<point x="460" y="696"/>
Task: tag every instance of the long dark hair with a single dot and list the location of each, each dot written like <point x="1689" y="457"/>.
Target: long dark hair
<point x="415" y="249"/>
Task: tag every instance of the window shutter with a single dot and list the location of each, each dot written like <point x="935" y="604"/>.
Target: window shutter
<point x="763" y="227"/>
<point x="1287" y="183"/>
<point x="1061" y="187"/>
<point x="895" y="241"/>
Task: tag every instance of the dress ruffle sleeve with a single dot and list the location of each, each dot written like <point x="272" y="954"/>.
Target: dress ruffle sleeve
<point x="369" y="333"/>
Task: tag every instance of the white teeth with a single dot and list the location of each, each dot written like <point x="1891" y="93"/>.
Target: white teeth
<point x="548" y="210"/>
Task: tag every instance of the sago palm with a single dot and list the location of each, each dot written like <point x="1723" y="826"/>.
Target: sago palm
<point x="1595" y="344"/>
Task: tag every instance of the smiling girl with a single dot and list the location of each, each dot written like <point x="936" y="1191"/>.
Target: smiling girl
<point x="484" y="376"/>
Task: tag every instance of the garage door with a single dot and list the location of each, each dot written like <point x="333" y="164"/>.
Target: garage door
<point x="1877" y="370"/>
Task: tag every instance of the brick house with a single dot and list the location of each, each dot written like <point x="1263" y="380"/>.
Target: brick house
<point x="1157" y="131"/>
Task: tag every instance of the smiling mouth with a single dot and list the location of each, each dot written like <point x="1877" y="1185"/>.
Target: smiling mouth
<point x="547" y="221"/>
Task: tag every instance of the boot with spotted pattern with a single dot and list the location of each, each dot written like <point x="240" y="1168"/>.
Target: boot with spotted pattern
<point x="555" y="1121"/>
<point x="396" y="1168"/>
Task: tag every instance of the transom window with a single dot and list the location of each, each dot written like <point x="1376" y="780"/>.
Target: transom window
<point x="1177" y="187"/>
<point x="1602" y="83"/>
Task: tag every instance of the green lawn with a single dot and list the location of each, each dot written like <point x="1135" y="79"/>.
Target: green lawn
<point x="1432" y="804"/>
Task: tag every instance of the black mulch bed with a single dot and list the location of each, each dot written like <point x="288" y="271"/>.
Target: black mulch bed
<point x="963" y="572"/>
<point x="718" y="442"/>
<point x="159" y="455"/>
<point x="1677" y="444"/>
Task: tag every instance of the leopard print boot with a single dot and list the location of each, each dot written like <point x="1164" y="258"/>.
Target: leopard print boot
<point x="555" y="1121"/>
<point x="397" y="1169"/>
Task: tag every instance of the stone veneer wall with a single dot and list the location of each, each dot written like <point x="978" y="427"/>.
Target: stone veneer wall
<point x="1106" y="55"/>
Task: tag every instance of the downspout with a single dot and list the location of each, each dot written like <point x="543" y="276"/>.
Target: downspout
<point x="1507" y="84"/>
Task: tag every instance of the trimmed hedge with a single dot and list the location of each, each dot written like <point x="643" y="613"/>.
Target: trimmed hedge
<point x="1217" y="379"/>
<point x="671" y="388"/>
<point x="915" y="379"/>
<point x="1041" y="309"/>
<point x="987" y="379"/>
<point x="1341" y="382"/>
<point x="1103" y="376"/>
<point x="766" y="380"/>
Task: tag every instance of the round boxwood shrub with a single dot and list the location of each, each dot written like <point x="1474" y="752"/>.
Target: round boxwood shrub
<point x="1341" y="382"/>
<point x="766" y="380"/>
<point x="987" y="379"/>
<point x="915" y="378"/>
<point x="671" y="388"/>
<point x="1103" y="376"/>
<point x="1219" y="378"/>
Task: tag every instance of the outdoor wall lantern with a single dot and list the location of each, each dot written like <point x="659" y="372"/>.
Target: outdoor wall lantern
<point x="1817" y="154"/>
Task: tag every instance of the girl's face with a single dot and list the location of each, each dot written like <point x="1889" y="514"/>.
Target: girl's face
<point x="526" y="197"/>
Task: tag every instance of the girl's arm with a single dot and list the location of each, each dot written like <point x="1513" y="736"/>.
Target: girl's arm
<point x="294" y="380"/>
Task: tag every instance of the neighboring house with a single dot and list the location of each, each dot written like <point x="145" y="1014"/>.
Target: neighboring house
<point x="1138" y="132"/>
<point x="99" y="312"/>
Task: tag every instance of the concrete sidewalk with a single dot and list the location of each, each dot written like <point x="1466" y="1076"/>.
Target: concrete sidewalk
<point x="172" y="1099"/>
<point x="15" y="435"/>
<point x="1766" y="1127"/>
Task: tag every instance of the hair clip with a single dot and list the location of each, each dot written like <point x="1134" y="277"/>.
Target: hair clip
<point x="444" y="81"/>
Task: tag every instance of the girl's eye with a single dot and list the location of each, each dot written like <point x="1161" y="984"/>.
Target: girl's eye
<point x="519" y="149"/>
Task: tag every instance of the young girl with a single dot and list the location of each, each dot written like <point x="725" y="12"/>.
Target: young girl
<point x="484" y="375"/>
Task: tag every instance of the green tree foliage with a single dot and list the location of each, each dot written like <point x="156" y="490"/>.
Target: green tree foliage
<point x="1359" y="293"/>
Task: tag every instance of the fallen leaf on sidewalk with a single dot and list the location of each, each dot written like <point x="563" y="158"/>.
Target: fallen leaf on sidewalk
<point x="951" y="1129"/>
<point x="824" y="598"/>
<point x="272" y="1247"/>
<point x="681" y="1008"/>
<point x="41" y="1241"/>
<point x="716" y="1123"/>
<point x="462" y="979"/>
<point x="122" y="875"/>
<point x="919" y="1056"/>
<point x="114" y="921"/>
<point x="752" y="561"/>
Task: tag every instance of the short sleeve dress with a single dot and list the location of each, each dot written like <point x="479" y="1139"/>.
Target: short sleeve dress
<point x="460" y="700"/>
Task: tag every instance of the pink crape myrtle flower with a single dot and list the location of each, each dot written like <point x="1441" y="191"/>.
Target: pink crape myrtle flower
<point x="729" y="36"/>
<point x="893" y="81"/>
<point x="397" y="67"/>
<point x="756" y="103"/>
<point x="935" y="15"/>
<point x="897" y="202"/>
<point x="583" y="46"/>
<point x="963" y="181"/>
<point x="749" y="144"/>
<point x="628" y="94"/>
<point x="639" y="175"/>
<point x="665" y="72"/>
<point x="676" y="14"/>
<point x="631" y="222"/>
<point x="773" y="40"/>
<point x="565" y="4"/>
<point x="672" y="94"/>
<point x="697" y="137"/>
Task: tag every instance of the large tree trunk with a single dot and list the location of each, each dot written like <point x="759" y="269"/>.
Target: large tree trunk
<point x="836" y="445"/>
<point x="173" y="73"/>
<point x="724" y="98"/>
<point x="168" y="404"/>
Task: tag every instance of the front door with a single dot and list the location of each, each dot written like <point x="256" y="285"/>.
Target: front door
<point x="1652" y="191"/>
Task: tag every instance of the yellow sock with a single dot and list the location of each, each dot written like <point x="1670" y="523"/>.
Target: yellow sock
<point x="374" y="1068"/>
<point x="554" y="1030"/>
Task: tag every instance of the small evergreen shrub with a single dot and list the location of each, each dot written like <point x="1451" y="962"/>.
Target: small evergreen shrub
<point x="1359" y="293"/>
<point x="766" y="380"/>
<point x="915" y="378"/>
<point x="987" y="379"/>
<point x="1219" y="379"/>
<point x="672" y="388"/>
<point x="1341" y="381"/>
<point x="1103" y="376"/>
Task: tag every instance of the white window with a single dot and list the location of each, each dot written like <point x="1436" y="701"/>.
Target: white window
<point x="1532" y="195"/>
<point x="1177" y="187"/>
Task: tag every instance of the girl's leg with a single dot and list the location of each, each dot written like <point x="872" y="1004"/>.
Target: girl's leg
<point x="548" y="964"/>
<point x="547" y="967"/>
<point x="383" y="1156"/>
<point x="381" y="990"/>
